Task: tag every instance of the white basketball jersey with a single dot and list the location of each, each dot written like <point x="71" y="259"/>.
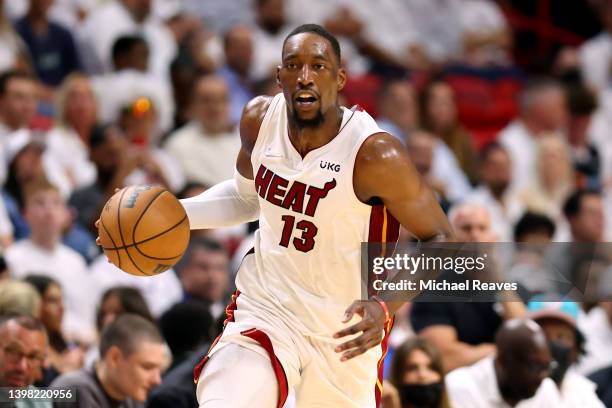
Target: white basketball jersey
<point x="311" y="225"/>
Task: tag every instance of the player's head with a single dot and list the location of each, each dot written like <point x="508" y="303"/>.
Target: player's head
<point x="23" y="347"/>
<point x="132" y="354"/>
<point x="310" y="74"/>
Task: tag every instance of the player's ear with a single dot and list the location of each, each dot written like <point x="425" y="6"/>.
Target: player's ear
<point x="278" y="68"/>
<point x="341" y="78"/>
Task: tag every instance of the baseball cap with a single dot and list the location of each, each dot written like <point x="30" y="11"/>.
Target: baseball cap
<point x="19" y="140"/>
<point x="566" y="311"/>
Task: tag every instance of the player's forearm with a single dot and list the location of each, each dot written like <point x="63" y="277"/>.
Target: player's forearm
<point x="229" y="203"/>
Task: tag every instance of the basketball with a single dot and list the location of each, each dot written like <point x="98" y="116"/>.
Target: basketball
<point x="143" y="230"/>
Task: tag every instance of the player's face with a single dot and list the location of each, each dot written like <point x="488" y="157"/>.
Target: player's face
<point x="310" y="77"/>
<point x="138" y="373"/>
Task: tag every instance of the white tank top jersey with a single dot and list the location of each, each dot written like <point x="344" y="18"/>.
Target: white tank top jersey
<point x="311" y="225"/>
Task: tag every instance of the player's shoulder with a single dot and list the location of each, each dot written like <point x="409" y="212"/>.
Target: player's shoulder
<point x="252" y="117"/>
<point x="379" y="148"/>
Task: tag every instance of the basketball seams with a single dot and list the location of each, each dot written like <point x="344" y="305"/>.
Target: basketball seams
<point x="143" y="212"/>
<point x="121" y="231"/>
<point x="150" y="238"/>
<point x="156" y="258"/>
<point x="113" y="241"/>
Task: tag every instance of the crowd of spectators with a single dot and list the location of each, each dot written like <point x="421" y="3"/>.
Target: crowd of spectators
<point x="99" y="94"/>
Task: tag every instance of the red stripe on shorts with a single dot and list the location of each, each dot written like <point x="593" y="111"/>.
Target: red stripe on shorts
<point x="264" y="341"/>
<point x="381" y="363"/>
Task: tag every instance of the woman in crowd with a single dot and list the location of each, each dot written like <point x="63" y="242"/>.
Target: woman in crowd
<point x="418" y="375"/>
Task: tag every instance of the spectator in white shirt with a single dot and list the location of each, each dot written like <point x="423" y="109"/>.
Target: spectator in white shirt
<point x="68" y="141"/>
<point x="494" y="193"/>
<point x="17" y="108"/>
<point x="44" y="254"/>
<point x="207" y="146"/>
<point x="566" y="344"/>
<point x="130" y="80"/>
<point x="114" y="18"/>
<point x="596" y="53"/>
<point x="597" y="326"/>
<point x="268" y="36"/>
<point x="516" y="377"/>
<point x="543" y="108"/>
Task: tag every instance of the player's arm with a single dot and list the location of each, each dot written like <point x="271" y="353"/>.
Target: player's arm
<point x="233" y="201"/>
<point x="384" y="170"/>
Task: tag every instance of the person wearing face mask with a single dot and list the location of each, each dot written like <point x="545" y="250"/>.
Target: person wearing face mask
<point x="566" y="344"/>
<point x="418" y="375"/>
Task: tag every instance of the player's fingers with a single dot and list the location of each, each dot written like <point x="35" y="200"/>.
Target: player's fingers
<point x="357" y="351"/>
<point x="356" y="342"/>
<point x="355" y="307"/>
<point x="363" y="325"/>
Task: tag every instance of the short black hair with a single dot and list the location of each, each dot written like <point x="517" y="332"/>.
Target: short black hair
<point x="125" y="44"/>
<point x="99" y="134"/>
<point x="532" y="222"/>
<point x="40" y="282"/>
<point x="198" y="242"/>
<point x="573" y="204"/>
<point x="581" y="100"/>
<point x="320" y="31"/>
<point x="490" y="148"/>
<point x="178" y="328"/>
<point x="7" y="76"/>
<point x="126" y="332"/>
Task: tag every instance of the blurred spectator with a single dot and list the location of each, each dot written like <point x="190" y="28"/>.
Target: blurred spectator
<point x="23" y="349"/>
<point x="494" y="192"/>
<point x="160" y="291"/>
<point x="584" y="212"/>
<point x="543" y="108"/>
<point x="464" y="331"/>
<point x="418" y="375"/>
<point x="68" y="141"/>
<point x="109" y="153"/>
<point x="597" y="326"/>
<point x="220" y="15"/>
<point x="130" y="80"/>
<point x="115" y="18"/>
<point x="554" y="177"/>
<point x="566" y="344"/>
<point x="17" y="105"/>
<point x="208" y="145"/>
<point x="533" y="233"/>
<point x="398" y="108"/>
<point x="238" y="48"/>
<point x="585" y="156"/>
<point x="177" y="327"/>
<point x="439" y="116"/>
<point x="204" y="273"/>
<point x="52" y="48"/>
<point x="177" y="389"/>
<point x="603" y="380"/>
<point x="13" y="53"/>
<point x="153" y="165"/>
<point x="6" y="227"/>
<point x="596" y="53"/>
<point x="132" y="354"/>
<point x="444" y="172"/>
<point x="516" y="376"/>
<point x="43" y="253"/>
<point x="63" y="356"/>
<point x="268" y="35"/>
<point x="17" y="297"/>
<point x="534" y="228"/>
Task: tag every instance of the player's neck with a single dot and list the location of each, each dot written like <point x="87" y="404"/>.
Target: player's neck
<point x="306" y="139"/>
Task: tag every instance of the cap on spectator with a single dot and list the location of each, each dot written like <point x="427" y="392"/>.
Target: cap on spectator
<point x="19" y="140"/>
<point x="566" y="311"/>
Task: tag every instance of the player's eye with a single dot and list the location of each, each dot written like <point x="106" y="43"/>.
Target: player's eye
<point x="290" y="65"/>
<point x="319" y="66"/>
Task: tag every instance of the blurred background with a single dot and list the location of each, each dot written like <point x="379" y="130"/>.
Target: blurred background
<point x="504" y="106"/>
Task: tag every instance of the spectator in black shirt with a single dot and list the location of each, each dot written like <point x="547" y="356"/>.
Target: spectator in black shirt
<point x="52" y="47"/>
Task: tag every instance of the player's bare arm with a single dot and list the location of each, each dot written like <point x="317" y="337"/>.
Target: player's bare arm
<point x="383" y="170"/>
<point x="250" y="122"/>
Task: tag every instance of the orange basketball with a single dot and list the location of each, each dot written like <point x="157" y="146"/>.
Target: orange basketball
<point x="143" y="230"/>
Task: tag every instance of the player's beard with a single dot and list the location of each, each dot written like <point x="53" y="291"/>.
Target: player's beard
<point x="308" y="123"/>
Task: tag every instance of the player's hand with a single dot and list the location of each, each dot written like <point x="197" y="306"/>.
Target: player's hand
<point x="371" y="328"/>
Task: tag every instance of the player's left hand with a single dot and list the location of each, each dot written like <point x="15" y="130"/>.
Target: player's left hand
<point x="371" y="328"/>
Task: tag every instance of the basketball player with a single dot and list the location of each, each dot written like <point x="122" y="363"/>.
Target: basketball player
<point x="321" y="179"/>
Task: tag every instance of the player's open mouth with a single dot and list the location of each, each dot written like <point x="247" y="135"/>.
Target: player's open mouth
<point x="305" y="99"/>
